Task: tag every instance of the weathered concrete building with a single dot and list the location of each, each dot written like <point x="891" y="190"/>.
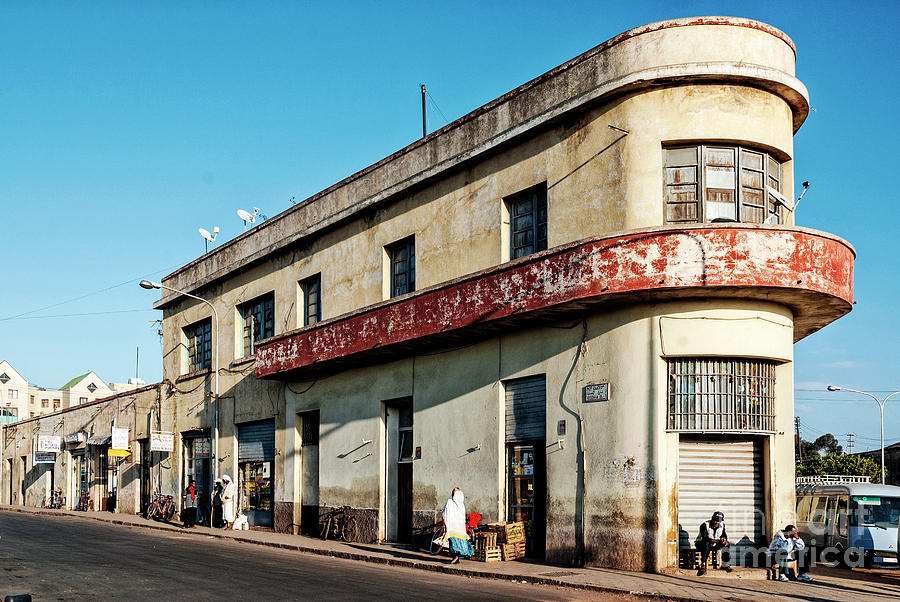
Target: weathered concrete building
<point x="577" y="302"/>
<point x="83" y="467"/>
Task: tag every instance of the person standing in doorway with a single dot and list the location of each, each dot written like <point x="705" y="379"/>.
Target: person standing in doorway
<point x="216" y="522"/>
<point x="455" y="525"/>
<point x="228" y="494"/>
<point x="191" y="498"/>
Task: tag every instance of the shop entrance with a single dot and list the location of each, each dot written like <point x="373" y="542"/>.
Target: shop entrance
<point x="309" y="472"/>
<point x="526" y="463"/>
<point x="197" y="468"/>
<point x="145" y="474"/>
<point x="256" y="465"/>
<point x="398" y="420"/>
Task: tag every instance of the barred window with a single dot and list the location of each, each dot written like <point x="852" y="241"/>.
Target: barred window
<point x="258" y="318"/>
<point x="721" y="394"/>
<point x="706" y="183"/>
<point x="199" y="345"/>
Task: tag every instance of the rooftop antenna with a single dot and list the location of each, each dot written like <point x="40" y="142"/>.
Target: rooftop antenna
<point x="207" y="236"/>
<point x="782" y="200"/>
<point x="249" y="218"/>
<point x="424" y="126"/>
<point x="806" y="186"/>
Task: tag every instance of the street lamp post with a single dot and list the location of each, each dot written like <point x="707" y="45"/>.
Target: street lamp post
<point x="147" y="284"/>
<point x="880" y="403"/>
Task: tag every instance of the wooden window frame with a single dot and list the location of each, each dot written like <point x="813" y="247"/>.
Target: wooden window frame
<point x="198" y="342"/>
<point x="675" y="175"/>
<point x="312" y="308"/>
<point x="527" y="237"/>
<point x="402" y="266"/>
<point x="257" y="321"/>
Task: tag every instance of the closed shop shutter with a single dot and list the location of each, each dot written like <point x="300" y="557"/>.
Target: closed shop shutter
<point x="526" y="409"/>
<point x="256" y="441"/>
<point x="725" y="476"/>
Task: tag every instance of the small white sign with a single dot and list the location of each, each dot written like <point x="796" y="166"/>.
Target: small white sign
<point x="161" y="441"/>
<point x="44" y="457"/>
<point x="49" y="443"/>
<point x="120" y="437"/>
<point x="598" y="392"/>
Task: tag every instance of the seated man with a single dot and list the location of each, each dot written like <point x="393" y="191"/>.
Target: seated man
<point x="787" y="546"/>
<point x="712" y="537"/>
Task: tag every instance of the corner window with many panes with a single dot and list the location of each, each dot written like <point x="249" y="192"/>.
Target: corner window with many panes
<point x="527" y="221"/>
<point x="198" y="338"/>
<point x="722" y="183"/>
<point x="258" y="321"/>
<point x="402" y="257"/>
<point x="311" y="289"/>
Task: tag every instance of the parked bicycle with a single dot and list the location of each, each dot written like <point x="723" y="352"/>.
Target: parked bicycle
<point x="339" y="524"/>
<point x="439" y="540"/>
<point x="55" y="500"/>
<point x="84" y="502"/>
<point x="162" y="508"/>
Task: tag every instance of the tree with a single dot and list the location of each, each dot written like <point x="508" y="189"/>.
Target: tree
<point x="840" y="464"/>
<point x="827" y="443"/>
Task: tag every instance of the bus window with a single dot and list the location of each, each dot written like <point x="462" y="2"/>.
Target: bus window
<point x="874" y="511"/>
<point x="803" y="503"/>
<point x="841" y="516"/>
<point x="818" y="509"/>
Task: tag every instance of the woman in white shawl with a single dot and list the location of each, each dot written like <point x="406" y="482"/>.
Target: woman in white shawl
<point x="228" y="495"/>
<point x="455" y="523"/>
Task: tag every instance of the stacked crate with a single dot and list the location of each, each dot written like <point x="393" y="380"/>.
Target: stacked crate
<point x="486" y="548"/>
<point x="511" y="538"/>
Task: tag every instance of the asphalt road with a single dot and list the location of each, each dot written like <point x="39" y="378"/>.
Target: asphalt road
<point x="70" y="558"/>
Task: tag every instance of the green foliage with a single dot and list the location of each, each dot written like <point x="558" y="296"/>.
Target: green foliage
<point x="842" y="465"/>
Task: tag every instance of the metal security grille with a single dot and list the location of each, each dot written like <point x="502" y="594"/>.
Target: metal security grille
<point x="726" y="476"/>
<point x="526" y="409"/>
<point x="721" y="395"/>
<point x="256" y="441"/>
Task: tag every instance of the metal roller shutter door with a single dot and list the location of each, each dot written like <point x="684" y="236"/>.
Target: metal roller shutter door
<point x="726" y="476"/>
<point x="526" y="409"/>
<point x="256" y="441"/>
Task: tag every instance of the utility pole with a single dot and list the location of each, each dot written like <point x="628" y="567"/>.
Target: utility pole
<point x="799" y="447"/>
<point x="850" y="442"/>
<point x="424" y="127"/>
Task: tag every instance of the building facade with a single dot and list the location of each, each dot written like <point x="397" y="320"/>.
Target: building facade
<point x="577" y="302"/>
<point x="23" y="400"/>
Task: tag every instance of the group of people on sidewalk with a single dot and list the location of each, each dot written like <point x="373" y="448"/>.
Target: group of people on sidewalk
<point x="787" y="550"/>
<point x="220" y="513"/>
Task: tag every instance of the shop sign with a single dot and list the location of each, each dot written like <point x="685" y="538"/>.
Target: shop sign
<point x="162" y="441"/>
<point x="201" y="448"/>
<point x="44" y="457"/>
<point x="49" y="443"/>
<point x="119" y="453"/>
<point x="598" y="392"/>
<point x="74" y="438"/>
<point x="119" y="438"/>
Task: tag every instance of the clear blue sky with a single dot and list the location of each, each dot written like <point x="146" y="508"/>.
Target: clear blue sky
<point x="125" y="126"/>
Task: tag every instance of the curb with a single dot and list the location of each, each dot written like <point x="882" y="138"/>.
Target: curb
<point x="411" y="564"/>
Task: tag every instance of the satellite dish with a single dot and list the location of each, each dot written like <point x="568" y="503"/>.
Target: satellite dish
<point x="248" y="217"/>
<point x="209" y="237"/>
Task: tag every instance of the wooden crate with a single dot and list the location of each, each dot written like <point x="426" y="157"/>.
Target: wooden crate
<point x="509" y="531"/>
<point x="512" y="551"/>
<point x="485" y="539"/>
<point x="488" y="555"/>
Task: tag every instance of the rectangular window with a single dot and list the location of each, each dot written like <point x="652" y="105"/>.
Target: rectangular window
<point x="709" y="183"/>
<point x="402" y="258"/>
<point x="258" y="318"/>
<point x="31" y="400"/>
<point x="405" y="433"/>
<point x="82" y="400"/>
<point x="721" y="395"/>
<point x="312" y="299"/>
<point x="199" y="345"/>
<point x="45" y="403"/>
<point x="13" y="393"/>
<point x="528" y="221"/>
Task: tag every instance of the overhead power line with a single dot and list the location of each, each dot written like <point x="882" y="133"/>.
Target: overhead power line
<point x="90" y="313"/>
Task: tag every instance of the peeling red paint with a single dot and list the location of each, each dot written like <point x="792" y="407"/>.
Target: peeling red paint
<point x="745" y="260"/>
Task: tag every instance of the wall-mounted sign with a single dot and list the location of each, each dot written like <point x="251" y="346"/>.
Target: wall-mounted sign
<point x="119" y="437"/>
<point x="49" y="443"/>
<point x="44" y="457"/>
<point x="598" y="392"/>
<point x="119" y="453"/>
<point x="200" y="448"/>
<point x="161" y="441"/>
<point x="418" y="453"/>
<point x="74" y="438"/>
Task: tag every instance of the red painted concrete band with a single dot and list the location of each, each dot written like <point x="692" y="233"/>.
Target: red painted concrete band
<point x="691" y="261"/>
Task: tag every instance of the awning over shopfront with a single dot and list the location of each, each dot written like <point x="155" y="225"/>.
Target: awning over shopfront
<point x="99" y="440"/>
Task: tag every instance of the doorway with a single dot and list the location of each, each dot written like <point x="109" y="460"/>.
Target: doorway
<point x="145" y="474"/>
<point x="398" y="487"/>
<point x="256" y="468"/>
<point x="309" y="472"/>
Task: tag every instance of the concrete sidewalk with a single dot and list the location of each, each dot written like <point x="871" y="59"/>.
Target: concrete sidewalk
<point x="743" y="584"/>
